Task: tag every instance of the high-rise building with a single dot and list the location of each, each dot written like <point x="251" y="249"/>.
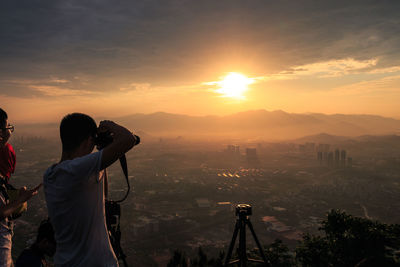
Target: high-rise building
<point x="320" y="148"/>
<point x="337" y="157"/>
<point x="325" y="156"/>
<point x="319" y="157"/>
<point x="330" y="158"/>
<point x="343" y="158"/>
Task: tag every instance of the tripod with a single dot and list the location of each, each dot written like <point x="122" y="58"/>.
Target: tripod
<point x="243" y="211"/>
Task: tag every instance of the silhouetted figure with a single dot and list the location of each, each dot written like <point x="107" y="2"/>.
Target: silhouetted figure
<point x="11" y="205"/>
<point x="45" y="245"/>
<point x="74" y="191"/>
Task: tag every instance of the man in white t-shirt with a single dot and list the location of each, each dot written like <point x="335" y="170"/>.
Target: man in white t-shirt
<point x="74" y="191"/>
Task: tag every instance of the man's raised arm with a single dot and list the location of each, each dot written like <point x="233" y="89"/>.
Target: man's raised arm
<point x="123" y="141"/>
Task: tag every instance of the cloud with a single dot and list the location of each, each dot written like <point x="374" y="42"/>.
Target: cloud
<point x="136" y="87"/>
<point x="333" y="68"/>
<point x="382" y="86"/>
<point x="149" y="40"/>
<point x="54" y="91"/>
<point x="385" y="70"/>
<point x="330" y="69"/>
<point x="57" y="80"/>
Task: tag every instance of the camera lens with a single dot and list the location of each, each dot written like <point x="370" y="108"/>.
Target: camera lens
<point x="137" y="139"/>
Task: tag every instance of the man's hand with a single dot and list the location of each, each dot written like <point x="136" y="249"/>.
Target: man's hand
<point x="26" y="194"/>
<point x="107" y="126"/>
<point x="123" y="141"/>
<point x="23" y="196"/>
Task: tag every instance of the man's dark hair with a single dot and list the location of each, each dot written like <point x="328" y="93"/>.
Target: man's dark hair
<point x="45" y="231"/>
<point x="3" y="118"/>
<point x="75" y="128"/>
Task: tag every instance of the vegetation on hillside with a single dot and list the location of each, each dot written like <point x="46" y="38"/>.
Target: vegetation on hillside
<point x="345" y="240"/>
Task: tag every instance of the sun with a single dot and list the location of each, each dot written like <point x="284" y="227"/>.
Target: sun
<point x="234" y="85"/>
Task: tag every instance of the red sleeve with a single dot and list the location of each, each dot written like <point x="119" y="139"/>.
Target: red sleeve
<point x="12" y="159"/>
<point x="7" y="160"/>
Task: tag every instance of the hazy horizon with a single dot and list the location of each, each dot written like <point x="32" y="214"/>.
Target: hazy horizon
<point x="118" y="116"/>
<point x="259" y="125"/>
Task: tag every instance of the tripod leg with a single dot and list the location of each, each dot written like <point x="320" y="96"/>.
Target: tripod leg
<point x="242" y="244"/>
<point x="121" y="255"/>
<point x="123" y="258"/>
<point x="258" y="243"/>
<point x="232" y="244"/>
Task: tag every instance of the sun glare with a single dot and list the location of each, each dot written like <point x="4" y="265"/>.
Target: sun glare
<point x="234" y="85"/>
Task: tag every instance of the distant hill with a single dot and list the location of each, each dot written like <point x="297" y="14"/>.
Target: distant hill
<point x="261" y="124"/>
<point x="277" y="125"/>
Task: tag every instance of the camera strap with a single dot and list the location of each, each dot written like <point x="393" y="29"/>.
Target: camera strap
<point x="124" y="166"/>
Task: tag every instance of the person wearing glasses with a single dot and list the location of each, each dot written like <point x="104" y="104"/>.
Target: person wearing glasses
<point x="7" y="153"/>
<point x="8" y="207"/>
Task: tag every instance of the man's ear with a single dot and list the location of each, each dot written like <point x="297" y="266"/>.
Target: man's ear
<point x="90" y="142"/>
<point x="85" y="144"/>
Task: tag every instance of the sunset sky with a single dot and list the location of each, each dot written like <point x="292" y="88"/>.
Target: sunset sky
<point x="114" y="58"/>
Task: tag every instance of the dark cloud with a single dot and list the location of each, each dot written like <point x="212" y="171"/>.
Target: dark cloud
<point x="158" y="41"/>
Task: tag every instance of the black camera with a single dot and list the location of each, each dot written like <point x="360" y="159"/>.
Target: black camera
<point x="113" y="212"/>
<point x="103" y="139"/>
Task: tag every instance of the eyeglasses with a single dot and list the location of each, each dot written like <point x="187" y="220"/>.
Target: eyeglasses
<point x="9" y="127"/>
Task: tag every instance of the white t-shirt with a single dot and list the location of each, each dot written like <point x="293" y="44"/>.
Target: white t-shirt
<point x="74" y="191"/>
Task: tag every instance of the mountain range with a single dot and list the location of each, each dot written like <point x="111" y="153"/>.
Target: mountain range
<point x="275" y="125"/>
<point x="255" y="124"/>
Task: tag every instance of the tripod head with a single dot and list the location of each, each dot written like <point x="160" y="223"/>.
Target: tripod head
<point x="243" y="210"/>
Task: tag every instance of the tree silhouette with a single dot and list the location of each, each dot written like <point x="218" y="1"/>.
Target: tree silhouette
<point x="345" y="241"/>
<point x="349" y="241"/>
<point x="179" y="259"/>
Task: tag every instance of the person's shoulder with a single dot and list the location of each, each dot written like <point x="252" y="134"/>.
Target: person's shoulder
<point x="77" y="165"/>
<point x="49" y="170"/>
